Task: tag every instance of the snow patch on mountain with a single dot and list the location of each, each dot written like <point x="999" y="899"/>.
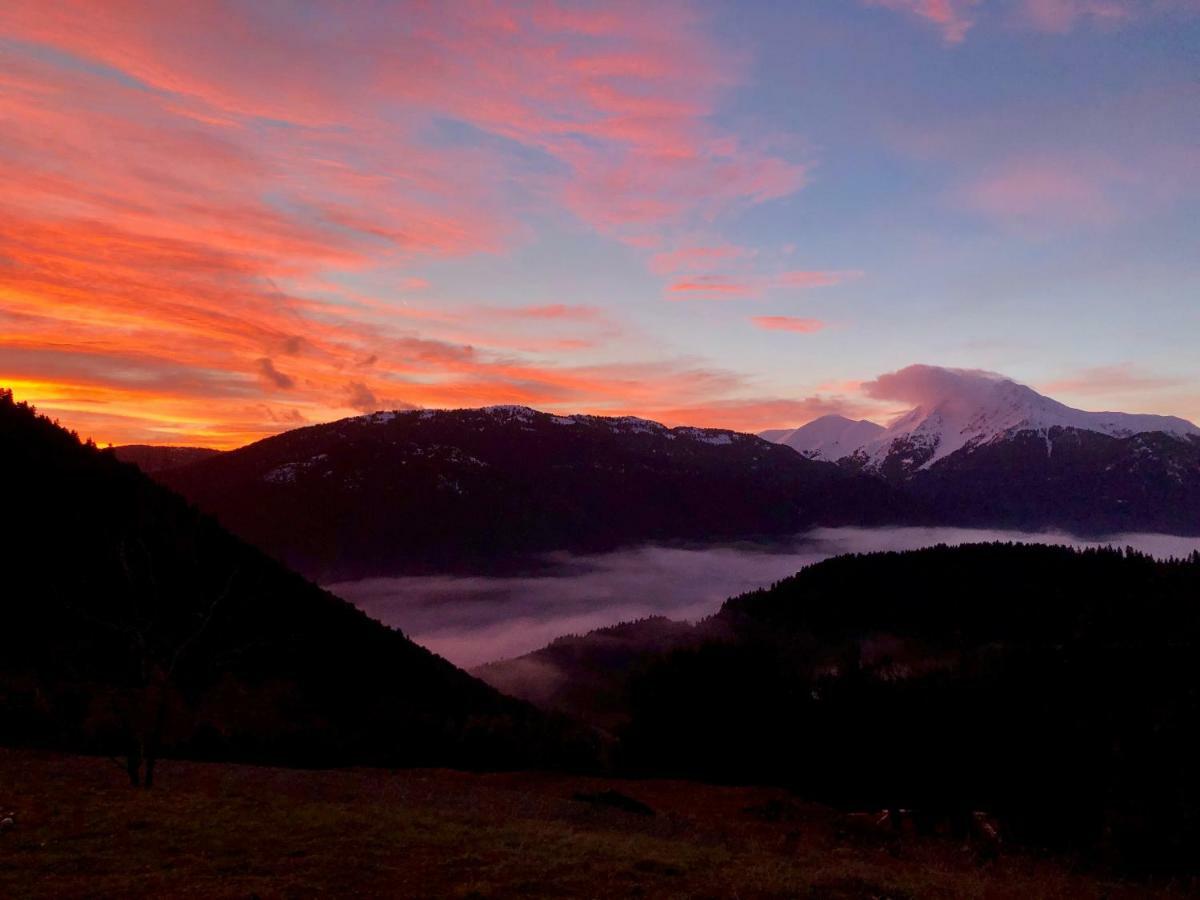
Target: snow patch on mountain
<point x="631" y="424"/>
<point x="510" y="412"/>
<point x="286" y="473"/>
<point x="714" y="436"/>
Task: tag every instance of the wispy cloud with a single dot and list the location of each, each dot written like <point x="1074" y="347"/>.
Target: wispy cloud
<point x="695" y="258"/>
<point x="955" y="18"/>
<point x="178" y="179"/>
<point x="1048" y="191"/>
<point x="751" y="285"/>
<point x="1061" y="16"/>
<point x="720" y="286"/>
<point x="951" y="17"/>
<point x="1121" y="378"/>
<point x="788" y="323"/>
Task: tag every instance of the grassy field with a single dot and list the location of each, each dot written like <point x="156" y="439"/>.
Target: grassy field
<point x="213" y="830"/>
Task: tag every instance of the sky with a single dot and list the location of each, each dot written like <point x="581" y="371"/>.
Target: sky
<point x="219" y="221"/>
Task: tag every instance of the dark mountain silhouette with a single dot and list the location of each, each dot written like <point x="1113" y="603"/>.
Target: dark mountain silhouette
<point x="438" y="490"/>
<point x="132" y="624"/>
<point x="587" y="676"/>
<point x="1089" y="483"/>
<point x="1055" y="689"/>
<point x="155" y="459"/>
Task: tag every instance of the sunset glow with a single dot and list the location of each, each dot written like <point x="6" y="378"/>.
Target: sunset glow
<point x="224" y="220"/>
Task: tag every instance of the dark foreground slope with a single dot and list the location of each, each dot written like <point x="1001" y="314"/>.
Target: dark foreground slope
<point x="226" y="831"/>
<point x="127" y="618"/>
<point x="396" y="492"/>
<point x="1057" y="690"/>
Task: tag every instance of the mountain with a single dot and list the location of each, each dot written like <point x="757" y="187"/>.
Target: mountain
<point x="130" y="623"/>
<point x="829" y="437"/>
<point x="396" y="492"/>
<point x="981" y="449"/>
<point x="1069" y="478"/>
<point x="978" y="409"/>
<point x="152" y="459"/>
<point x="1054" y="689"/>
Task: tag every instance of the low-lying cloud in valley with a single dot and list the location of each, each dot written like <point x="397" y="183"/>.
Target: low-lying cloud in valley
<point x="471" y="620"/>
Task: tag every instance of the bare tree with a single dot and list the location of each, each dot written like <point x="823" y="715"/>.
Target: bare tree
<point x="158" y="642"/>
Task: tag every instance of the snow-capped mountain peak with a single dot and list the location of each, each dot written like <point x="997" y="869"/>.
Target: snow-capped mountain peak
<point x="969" y="409"/>
<point x="961" y="409"/>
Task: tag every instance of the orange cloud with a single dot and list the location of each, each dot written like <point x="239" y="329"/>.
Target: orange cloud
<point x="552" y="311"/>
<point x="185" y="204"/>
<point x="846" y="386"/>
<point x="788" y="323"/>
<point x="625" y="106"/>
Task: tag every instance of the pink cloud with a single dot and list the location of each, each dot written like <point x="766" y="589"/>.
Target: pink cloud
<point x="927" y="386"/>
<point x="623" y="98"/>
<point x="952" y="17"/>
<point x="798" y="278"/>
<point x="727" y="286"/>
<point x="1047" y="191"/>
<point x="1061" y="16"/>
<point x="719" y="286"/>
<point x="1122" y="378"/>
<point x="788" y="323"/>
<point x="691" y="258"/>
<point x="847" y="386"/>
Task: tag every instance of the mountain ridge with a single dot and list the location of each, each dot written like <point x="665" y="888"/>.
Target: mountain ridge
<point x="156" y="458"/>
<point x="434" y="490"/>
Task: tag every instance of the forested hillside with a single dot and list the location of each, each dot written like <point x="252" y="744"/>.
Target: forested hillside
<point x="1054" y="689"/>
<point x="132" y="624"/>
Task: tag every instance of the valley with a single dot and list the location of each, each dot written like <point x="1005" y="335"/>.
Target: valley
<point x="587" y="448"/>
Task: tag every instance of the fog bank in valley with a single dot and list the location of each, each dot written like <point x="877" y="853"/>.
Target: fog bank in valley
<point x="472" y="620"/>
